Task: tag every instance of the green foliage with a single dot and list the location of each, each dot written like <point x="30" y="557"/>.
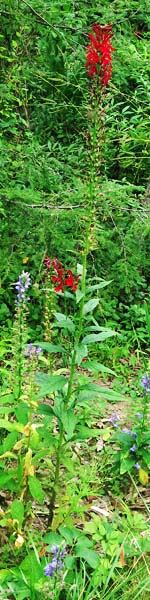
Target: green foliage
<point x="75" y="186"/>
<point x="45" y="115"/>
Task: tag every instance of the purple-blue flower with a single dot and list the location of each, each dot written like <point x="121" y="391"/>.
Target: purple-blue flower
<point x="50" y="568"/>
<point x="113" y="420"/>
<point x="134" y="434"/>
<point x="127" y="431"/>
<point x="137" y="466"/>
<point x="146" y="382"/>
<point x="56" y="564"/>
<point x="133" y="448"/>
<point x="31" y="350"/>
<point x="22" y="286"/>
<point x="139" y="415"/>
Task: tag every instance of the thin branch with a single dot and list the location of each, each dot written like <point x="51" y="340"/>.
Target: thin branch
<point x="45" y="22"/>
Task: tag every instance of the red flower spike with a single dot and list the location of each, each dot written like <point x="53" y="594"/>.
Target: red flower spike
<point x="63" y="277"/>
<point x="60" y="286"/>
<point x="71" y="280"/>
<point x="98" y="55"/>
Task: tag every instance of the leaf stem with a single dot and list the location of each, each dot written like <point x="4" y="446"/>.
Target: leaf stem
<point x="56" y="477"/>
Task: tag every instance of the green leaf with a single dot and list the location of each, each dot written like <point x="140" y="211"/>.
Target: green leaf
<point x="5" y="478"/>
<point x="3" y="574"/>
<point x="81" y="352"/>
<point x="49" y="384"/>
<point x="51" y="348"/>
<point x="52" y="538"/>
<point x="31" y="568"/>
<point x="84" y="433"/>
<point x="98" y="286"/>
<point x="126" y="465"/>
<point x="36" y="489"/>
<point x="10" y="426"/>
<point x="17" y="511"/>
<point x="45" y="409"/>
<point x="10" y="440"/>
<point x="102" y="391"/>
<point x="90" y="305"/>
<point x="67" y="534"/>
<point x="79" y="295"/>
<point x="146" y="457"/>
<point x="69" y="421"/>
<point x="90" y="556"/>
<point x="64" y="322"/>
<point x="94" y="366"/>
<point x="98" y="337"/>
<point x="5" y="410"/>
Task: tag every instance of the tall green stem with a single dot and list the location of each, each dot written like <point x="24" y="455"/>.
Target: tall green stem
<point x="20" y="346"/>
<point x="56" y="477"/>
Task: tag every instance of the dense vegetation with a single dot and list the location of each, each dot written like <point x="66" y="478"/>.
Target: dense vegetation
<point x="75" y="215"/>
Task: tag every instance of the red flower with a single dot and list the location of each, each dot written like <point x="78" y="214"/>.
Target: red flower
<point x="98" y="55"/>
<point x="71" y="280"/>
<point x="63" y="277"/>
<point x="59" y="280"/>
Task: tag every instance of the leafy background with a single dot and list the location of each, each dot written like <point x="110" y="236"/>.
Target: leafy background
<point x="44" y="168"/>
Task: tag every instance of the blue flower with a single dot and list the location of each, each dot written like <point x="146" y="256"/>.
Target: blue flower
<point x="134" y="434"/>
<point x="22" y="286"/>
<point x="113" y="420"/>
<point x="139" y="415"/>
<point x="127" y="431"/>
<point x="146" y="382"/>
<point x="56" y="564"/>
<point x="50" y="568"/>
<point x="137" y="466"/>
<point x="31" y="350"/>
<point x="133" y="448"/>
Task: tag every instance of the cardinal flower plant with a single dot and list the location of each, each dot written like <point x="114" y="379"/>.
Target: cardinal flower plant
<point x="48" y="417"/>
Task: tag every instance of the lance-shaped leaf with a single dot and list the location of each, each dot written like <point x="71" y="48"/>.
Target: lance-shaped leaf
<point x="64" y="322"/>
<point x="92" y="338"/>
<point x="90" y="305"/>
<point x="49" y="384"/>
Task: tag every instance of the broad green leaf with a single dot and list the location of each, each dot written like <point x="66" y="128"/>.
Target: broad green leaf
<point x="85" y="396"/>
<point x="36" y="489"/>
<point x="3" y="574"/>
<point x="126" y="465"/>
<point x="11" y="426"/>
<point x="98" y="286"/>
<point x="49" y="384"/>
<point x="53" y="538"/>
<point x="64" y="322"/>
<point x="8" y="398"/>
<point x="95" y="366"/>
<point x="67" y="534"/>
<point x="101" y="391"/>
<point x="31" y="568"/>
<point x="17" y="511"/>
<point x="90" y="556"/>
<point x="69" y="421"/>
<point x="84" y="433"/>
<point x="98" y="337"/>
<point x="81" y="352"/>
<point x="10" y="440"/>
<point x="45" y="409"/>
<point x="79" y="296"/>
<point x="90" y="305"/>
<point x="146" y="457"/>
<point x="79" y="269"/>
<point x="51" y="348"/>
<point x="5" y="410"/>
<point x="5" y="478"/>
